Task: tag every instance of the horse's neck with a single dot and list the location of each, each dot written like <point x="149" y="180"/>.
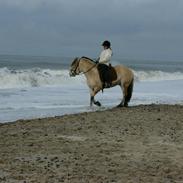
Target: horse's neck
<point x="86" y="65"/>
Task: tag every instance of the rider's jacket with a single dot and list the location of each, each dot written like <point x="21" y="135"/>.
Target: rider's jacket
<point x="105" y="56"/>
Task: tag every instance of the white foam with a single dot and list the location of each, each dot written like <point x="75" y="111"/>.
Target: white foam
<point x="35" y="78"/>
<point x="66" y="99"/>
<point x="157" y="75"/>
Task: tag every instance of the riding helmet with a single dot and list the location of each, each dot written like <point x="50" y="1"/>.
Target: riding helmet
<point x="107" y="44"/>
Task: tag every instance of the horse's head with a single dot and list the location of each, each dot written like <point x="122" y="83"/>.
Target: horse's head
<point x="74" y="68"/>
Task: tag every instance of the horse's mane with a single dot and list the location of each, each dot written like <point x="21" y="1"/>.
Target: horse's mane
<point x="88" y="59"/>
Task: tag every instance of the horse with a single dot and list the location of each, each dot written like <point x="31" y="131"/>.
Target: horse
<point x="124" y="78"/>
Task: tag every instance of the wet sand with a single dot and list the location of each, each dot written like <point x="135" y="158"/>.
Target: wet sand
<point x="142" y="144"/>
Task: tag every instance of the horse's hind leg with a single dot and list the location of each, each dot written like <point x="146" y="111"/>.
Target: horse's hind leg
<point x="125" y="93"/>
<point x="124" y="102"/>
<point x="121" y="104"/>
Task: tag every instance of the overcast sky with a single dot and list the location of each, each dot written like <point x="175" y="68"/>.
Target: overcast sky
<point x="138" y="29"/>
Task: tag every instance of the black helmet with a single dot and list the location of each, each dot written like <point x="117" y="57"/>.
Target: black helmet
<point x="107" y="44"/>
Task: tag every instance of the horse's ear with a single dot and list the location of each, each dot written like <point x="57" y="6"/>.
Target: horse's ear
<point x="75" y="60"/>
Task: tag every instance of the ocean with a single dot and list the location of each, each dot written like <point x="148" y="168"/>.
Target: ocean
<point x="40" y="86"/>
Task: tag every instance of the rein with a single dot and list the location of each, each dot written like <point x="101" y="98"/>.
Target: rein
<point x="87" y="70"/>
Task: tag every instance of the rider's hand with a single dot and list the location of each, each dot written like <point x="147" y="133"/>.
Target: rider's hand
<point x="97" y="60"/>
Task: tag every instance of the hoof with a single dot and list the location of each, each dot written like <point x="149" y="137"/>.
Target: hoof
<point x="125" y="104"/>
<point x="120" y="105"/>
<point x="97" y="103"/>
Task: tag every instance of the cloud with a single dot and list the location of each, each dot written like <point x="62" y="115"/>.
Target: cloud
<point x="136" y="28"/>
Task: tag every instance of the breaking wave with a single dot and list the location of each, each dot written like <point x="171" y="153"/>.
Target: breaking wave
<point x="36" y="77"/>
<point x="157" y="75"/>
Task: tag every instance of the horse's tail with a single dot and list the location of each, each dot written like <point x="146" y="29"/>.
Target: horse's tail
<point x="129" y="91"/>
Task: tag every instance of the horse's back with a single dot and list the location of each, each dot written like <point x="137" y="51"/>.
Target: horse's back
<point x="124" y="72"/>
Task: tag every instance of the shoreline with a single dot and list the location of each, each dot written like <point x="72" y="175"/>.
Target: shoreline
<point x="141" y="143"/>
<point x="80" y="113"/>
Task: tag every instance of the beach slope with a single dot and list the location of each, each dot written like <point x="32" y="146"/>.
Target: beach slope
<point x="136" y="144"/>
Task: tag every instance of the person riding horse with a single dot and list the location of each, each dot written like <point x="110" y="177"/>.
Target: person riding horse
<point x="119" y="75"/>
<point x="104" y="64"/>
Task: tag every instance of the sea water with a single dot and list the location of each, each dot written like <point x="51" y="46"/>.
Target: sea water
<point x="35" y="87"/>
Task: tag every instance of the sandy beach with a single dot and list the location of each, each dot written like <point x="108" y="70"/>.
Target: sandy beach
<point x="142" y="144"/>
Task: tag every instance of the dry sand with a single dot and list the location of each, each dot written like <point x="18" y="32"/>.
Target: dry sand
<point x="142" y="144"/>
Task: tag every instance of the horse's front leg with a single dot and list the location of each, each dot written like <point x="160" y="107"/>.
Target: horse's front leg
<point x="92" y="99"/>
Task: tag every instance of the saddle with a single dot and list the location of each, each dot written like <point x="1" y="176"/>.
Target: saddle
<point x="107" y="74"/>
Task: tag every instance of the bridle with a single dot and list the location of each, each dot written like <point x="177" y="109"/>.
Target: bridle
<point x="80" y="73"/>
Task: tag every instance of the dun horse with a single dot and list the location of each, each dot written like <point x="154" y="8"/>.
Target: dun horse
<point x="123" y="77"/>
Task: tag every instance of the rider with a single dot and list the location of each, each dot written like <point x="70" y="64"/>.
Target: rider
<point x="106" y="54"/>
<point x="104" y="62"/>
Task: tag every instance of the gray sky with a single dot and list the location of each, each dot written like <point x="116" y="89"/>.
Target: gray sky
<point x="137" y="29"/>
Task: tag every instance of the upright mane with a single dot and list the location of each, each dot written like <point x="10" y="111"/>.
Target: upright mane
<point x="88" y="59"/>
